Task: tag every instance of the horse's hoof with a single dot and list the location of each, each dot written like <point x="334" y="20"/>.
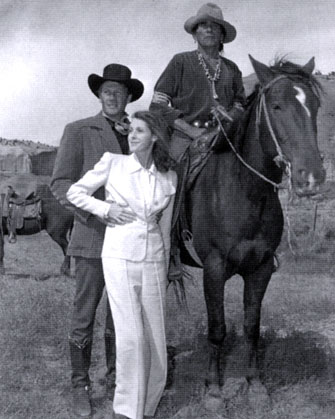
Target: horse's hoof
<point x="213" y="400"/>
<point x="234" y="387"/>
<point x="66" y="272"/>
<point x="213" y="390"/>
<point x="184" y="412"/>
<point x="258" y="397"/>
<point x="12" y="241"/>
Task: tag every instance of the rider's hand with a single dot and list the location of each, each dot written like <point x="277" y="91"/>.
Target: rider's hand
<point x="220" y="113"/>
<point x="188" y="129"/>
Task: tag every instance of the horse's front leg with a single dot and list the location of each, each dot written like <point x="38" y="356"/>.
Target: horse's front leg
<point x="214" y="282"/>
<point x="2" y="249"/>
<point x="65" y="269"/>
<point x="255" y="285"/>
<point x="11" y="227"/>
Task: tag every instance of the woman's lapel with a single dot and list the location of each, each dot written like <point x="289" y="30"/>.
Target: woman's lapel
<point x="125" y="182"/>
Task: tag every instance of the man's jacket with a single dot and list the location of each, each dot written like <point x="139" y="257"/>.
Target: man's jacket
<point x="82" y="145"/>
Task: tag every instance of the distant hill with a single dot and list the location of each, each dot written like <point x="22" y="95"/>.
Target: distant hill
<point x="21" y="156"/>
<point x="27" y="145"/>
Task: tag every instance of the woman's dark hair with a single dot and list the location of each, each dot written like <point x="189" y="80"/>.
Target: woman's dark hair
<point x="160" y="151"/>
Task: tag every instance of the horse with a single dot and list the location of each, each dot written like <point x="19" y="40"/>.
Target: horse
<point x="54" y="219"/>
<point x="233" y="208"/>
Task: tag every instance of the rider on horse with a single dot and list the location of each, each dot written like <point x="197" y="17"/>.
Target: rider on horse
<point x="199" y="86"/>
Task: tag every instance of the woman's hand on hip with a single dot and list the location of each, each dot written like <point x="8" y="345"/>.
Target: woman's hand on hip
<point x="120" y="214"/>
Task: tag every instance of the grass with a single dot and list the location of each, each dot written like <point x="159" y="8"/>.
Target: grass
<point x="296" y="348"/>
<point x="33" y="341"/>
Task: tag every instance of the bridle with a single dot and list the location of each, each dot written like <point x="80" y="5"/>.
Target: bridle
<point x="280" y="157"/>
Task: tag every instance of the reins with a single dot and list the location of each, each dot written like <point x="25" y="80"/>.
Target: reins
<point x="280" y="155"/>
<point x="252" y="169"/>
<point x="280" y="158"/>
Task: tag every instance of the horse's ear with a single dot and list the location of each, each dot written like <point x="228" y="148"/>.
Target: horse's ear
<point x="263" y="72"/>
<point x="309" y="67"/>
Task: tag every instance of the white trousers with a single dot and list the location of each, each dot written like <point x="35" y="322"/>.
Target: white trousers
<point x="137" y="295"/>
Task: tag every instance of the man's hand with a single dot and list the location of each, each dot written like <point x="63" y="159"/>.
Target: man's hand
<point x="105" y="221"/>
<point x="158" y="216"/>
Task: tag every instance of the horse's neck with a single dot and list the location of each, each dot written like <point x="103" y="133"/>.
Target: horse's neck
<point x="253" y="152"/>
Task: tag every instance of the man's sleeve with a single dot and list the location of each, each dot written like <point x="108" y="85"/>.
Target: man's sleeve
<point x="240" y="99"/>
<point x="67" y="169"/>
<point x="80" y="193"/>
<point x="165" y="90"/>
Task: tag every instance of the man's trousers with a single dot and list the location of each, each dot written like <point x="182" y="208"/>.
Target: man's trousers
<point x="89" y="288"/>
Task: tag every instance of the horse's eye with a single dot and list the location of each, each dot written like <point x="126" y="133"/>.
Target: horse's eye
<point x="276" y="107"/>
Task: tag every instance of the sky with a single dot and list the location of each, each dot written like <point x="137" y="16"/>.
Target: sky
<point x="48" y="48"/>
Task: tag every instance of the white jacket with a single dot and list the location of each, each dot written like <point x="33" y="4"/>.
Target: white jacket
<point x="120" y="174"/>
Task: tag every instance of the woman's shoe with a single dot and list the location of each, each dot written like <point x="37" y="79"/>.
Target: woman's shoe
<point x="119" y="416"/>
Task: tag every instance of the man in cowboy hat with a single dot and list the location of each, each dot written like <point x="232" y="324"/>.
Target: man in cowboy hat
<point x="82" y="145"/>
<point x="196" y="83"/>
<point x="195" y="89"/>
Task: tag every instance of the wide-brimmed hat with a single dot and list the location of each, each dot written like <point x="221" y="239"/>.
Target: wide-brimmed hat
<point x="120" y="74"/>
<point x="212" y="12"/>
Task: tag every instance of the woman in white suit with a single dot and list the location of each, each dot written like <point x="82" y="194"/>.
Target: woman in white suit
<point x="140" y="190"/>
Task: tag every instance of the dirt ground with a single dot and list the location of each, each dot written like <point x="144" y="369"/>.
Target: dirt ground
<point x="297" y="343"/>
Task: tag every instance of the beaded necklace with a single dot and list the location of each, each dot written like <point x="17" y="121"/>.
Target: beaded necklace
<point x="214" y="78"/>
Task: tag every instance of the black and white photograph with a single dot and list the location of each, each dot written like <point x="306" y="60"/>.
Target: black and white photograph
<point x="167" y="204"/>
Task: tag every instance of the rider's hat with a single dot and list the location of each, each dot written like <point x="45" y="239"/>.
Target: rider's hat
<point x="212" y="12"/>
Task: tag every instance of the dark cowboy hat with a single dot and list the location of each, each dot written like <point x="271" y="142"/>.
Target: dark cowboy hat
<point x="120" y="74"/>
<point x="212" y="12"/>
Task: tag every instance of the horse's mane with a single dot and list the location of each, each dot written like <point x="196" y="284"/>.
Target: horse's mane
<point x="281" y="66"/>
<point x="296" y="72"/>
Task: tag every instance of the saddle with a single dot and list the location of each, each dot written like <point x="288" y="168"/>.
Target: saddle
<point x="20" y="199"/>
<point x="17" y="208"/>
<point x="190" y="166"/>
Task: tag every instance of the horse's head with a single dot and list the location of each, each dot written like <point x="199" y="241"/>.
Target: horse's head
<point x="287" y="111"/>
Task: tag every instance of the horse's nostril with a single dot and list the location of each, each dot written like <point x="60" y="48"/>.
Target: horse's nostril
<point x="302" y="172"/>
<point x="308" y="183"/>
